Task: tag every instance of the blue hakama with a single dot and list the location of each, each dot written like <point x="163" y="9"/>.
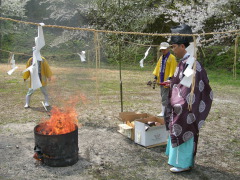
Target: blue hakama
<point x="181" y="156"/>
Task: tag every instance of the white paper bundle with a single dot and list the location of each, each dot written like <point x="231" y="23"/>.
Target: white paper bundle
<point x="13" y="66"/>
<point x="189" y="72"/>
<point x="35" y="80"/>
<point x="39" y="42"/>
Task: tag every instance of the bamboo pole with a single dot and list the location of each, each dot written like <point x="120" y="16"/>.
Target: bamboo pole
<point x="99" y="53"/>
<point x="120" y="75"/>
<point x="97" y="64"/>
<point x="235" y="59"/>
<point x="194" y="73"/>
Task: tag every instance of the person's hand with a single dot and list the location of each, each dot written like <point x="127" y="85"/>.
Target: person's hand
<point x="168" y="82"/>
<point x="154" y="83"/>
<point x="24" y="80"/>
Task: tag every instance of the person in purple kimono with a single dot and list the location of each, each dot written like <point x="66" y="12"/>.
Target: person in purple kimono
<point x="190" y="100"/>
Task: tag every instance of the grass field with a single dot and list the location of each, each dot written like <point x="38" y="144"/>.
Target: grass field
<point x="114" y="156"/>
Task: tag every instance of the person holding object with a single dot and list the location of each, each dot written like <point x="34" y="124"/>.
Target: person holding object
<point x="190" y="102"/>
<point x="163" y="72"/>
<point x="44" y="73"/>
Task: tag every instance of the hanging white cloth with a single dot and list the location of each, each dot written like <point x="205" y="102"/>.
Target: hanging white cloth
<point x="35" y="80"/>
<point x="13" y="66"/>
<point x="40" y="43"/>
<point x="146" y="53"/>
<point x="82" y="56"/>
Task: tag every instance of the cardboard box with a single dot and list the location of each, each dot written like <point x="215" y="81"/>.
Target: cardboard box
<point x="146" y="135"/>
<point x="128" y="118"/>
<point x="131" y="116"/>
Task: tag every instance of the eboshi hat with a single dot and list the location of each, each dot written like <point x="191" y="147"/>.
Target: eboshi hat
<point x="181" y="29"/>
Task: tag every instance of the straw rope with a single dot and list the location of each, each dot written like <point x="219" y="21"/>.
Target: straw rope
<point x="118" y="32"/>
<point x="23" y="54"/>
<point x="141" y="44"/>
<point x="131" y="33"/>
<point x="222" y="37"/>
<point x="15" y="52"/>
<point x="137" y="44"/>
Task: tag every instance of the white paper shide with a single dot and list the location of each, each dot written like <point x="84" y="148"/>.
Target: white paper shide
<point x="39" y="44"/>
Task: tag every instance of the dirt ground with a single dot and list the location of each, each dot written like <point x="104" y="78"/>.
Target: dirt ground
<point x="103" y="152"/>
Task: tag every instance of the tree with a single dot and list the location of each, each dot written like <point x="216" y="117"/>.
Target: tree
<point x="13" y="9"/>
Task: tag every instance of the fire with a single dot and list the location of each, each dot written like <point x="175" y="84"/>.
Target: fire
<point x="60" y="122"/>
<point x="63" y="120"/>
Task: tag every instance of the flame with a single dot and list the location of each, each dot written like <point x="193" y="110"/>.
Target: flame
<point x="60" y="122"/>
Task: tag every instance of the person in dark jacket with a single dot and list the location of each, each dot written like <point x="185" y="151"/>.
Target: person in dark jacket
<point x="190" y="100"/>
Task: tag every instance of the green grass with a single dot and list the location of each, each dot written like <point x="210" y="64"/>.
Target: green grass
<point x="237" y="154"/>
<point x="13" y="81"/>
<point x="223" y="78"/>
<point x="105" y="85"/>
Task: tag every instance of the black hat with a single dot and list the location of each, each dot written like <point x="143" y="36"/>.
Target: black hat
<point x="181" y="29"/>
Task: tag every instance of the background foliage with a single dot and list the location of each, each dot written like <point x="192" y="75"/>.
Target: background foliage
<point x="153" y="16"/>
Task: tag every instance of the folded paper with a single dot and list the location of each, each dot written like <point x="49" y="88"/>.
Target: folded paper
<point x="187" y="81"/>
<point x="189" y="71"/>
<point x="190" y="61"/>
<point x="39" y="42"/>
<point x="190" y="49"/>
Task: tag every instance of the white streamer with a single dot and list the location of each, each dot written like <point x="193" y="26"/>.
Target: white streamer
<point x="146" y="53"/>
